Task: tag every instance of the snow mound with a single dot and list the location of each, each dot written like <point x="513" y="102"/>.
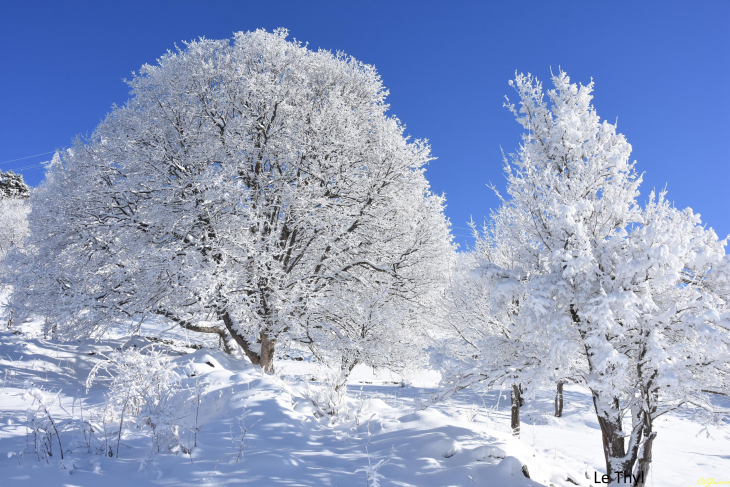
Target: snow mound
<point x="375" y="405"/>
<point x="445" y="447"/>
<point x="305" y="407"/>
<point x="511" y="467"/>
<point x="484" y="453"/>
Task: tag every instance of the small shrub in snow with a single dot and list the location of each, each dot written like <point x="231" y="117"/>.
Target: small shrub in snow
<point x="197" y="392"/>
<point x="239" y="439"/>
<point x="44" y="429"/>
<point x="471" y="413"/>
<point x="373" y="477"/>
<point x="329" y="399"/>
<point x="143" y="389"/>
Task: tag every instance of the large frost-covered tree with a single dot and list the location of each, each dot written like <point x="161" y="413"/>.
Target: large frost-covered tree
<point x="629" y="300"/>
<point x="247" y="188"/>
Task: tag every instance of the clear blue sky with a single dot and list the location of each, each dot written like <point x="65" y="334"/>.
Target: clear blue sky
<point x="661" y="67"/>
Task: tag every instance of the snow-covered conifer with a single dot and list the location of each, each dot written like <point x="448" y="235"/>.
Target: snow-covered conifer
<point x="13" y="186"/>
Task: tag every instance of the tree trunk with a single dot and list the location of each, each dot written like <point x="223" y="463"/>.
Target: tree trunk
<point x="559" y="400"/>
<point x="196" y="328"/>
<point x="240" y="339"/>
<point x="645" y="455"/>
<point x="268" y="347"/>
<point x="345" y="370"/>
<point x="516" y="398"/>
<point x="614" y="449"/>
<point x="265" y="358"/>
<point x="11" y="319"/>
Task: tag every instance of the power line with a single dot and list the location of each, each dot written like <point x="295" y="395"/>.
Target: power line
<point x="28" y="157"/>
<point x="29" y="167"/>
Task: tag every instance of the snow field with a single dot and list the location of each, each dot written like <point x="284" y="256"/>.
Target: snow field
<point x="462" y="442"/>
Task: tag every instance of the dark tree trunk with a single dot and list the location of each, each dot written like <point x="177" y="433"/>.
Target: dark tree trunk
<point x="559" y="400"/>
<point x="197" y="328"/>
<point x="11" y="320"/>
<point x="268" y="347"/>
<point x="265" y="358"/>
<point x="614" y="449"/>
<point x="240" y="339"/>
<point x="620" y="463"/>
<point x="516" y="398"/>
<point x="645" y="455"/>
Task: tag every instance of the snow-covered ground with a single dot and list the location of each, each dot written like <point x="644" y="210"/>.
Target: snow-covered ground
<point x="465" y="441"/>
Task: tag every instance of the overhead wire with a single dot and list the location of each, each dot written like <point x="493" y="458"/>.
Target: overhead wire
<point x="27" y="157"/>
<point x="30" y="167"/>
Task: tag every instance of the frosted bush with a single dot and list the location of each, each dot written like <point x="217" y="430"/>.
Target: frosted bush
<point x="44" y="430"/>
<point x="143" y="391"/>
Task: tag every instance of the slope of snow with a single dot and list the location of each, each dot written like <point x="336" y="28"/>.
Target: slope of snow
<point x="463" y="442"/>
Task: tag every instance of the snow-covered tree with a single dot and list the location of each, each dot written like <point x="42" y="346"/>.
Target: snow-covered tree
<point x="13" y="212"/>
<point x="13" y="224"/>
<point x="251" y="183"/>
<point x="13" y="186"/>
<point x="484" y="346"/>
<point x="632" y="301"/>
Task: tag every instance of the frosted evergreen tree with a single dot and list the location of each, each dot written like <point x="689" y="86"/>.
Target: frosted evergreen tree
<point x="13" y="186"/>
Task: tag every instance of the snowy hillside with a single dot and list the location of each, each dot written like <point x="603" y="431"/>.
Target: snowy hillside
<point x="463" y="442"/>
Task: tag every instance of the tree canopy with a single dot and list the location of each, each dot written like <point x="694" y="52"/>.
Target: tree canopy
<point x="247" y="183"/>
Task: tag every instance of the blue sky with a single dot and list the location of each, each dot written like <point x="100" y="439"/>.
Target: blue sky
<point x="661" y="67"/>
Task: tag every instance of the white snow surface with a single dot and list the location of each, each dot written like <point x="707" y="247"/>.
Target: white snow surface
<point x="462" y="442"/>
